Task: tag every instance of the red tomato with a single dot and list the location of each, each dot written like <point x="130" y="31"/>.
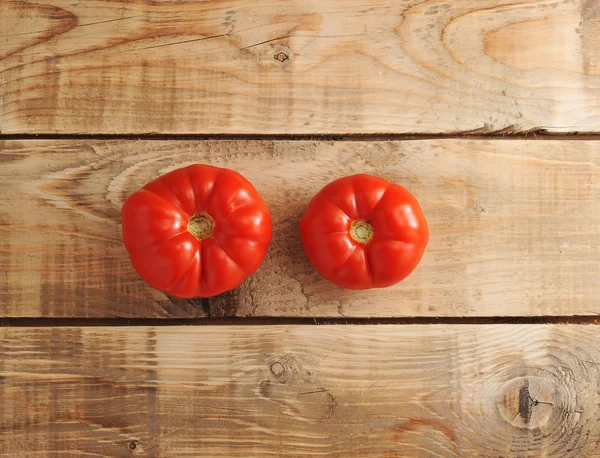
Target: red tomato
<point x="363" y="232"/>
<point x="197" y="231"/>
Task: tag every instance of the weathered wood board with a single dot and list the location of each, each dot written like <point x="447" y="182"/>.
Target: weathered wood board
<point x="514" y="227"/>
<point x="335" y="391"/>
<point x="292" y="66"/>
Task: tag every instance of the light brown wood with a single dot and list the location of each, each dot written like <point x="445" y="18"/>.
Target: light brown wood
<point x="335" y="391"/>
<point x="514" y="227"/>
<point x="297" y="66"/>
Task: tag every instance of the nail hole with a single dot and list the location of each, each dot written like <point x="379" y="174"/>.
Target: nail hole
<point x="277" y="369"/>
<point x="281" y="57"/>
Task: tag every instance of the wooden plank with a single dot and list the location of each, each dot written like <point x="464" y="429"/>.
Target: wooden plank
<point x="228" y="66"/>
<point x="335" y="391"/>
<point x="514" y="227"/>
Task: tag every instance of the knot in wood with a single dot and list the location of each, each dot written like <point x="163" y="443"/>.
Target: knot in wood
<point x="527" y="402"/>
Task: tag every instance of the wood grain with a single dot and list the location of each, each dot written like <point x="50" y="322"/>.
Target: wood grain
<point x="335" y="391"/>
<point x="293" y="66"/>
<point x="514" y="227"/>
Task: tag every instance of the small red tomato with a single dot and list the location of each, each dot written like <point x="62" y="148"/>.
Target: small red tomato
<point x="363" y="232"/>
<point x="197" y="231"/>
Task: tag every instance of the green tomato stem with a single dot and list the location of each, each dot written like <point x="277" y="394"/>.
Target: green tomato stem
<point x="201" y="225"/>
<point x="361" y="231"/>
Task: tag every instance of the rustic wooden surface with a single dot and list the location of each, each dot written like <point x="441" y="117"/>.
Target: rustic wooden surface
<point x="294" y="66"/>
<point x="514" y="227"/>
<point x="335" y="391"/>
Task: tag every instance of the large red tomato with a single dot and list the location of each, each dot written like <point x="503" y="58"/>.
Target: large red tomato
<point x="363" y="232"/>
<point x="196" y="231"/>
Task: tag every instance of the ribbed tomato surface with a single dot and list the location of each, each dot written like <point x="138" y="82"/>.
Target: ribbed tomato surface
<point x="197" y="231"/>
<point x="364" y="232"/>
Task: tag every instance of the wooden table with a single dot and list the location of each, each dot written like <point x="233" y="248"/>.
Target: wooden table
<point x="487" y="110"/>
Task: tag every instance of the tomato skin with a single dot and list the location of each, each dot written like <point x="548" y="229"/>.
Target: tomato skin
<point x="384" y="251"/>
<point x="197" y="231"/>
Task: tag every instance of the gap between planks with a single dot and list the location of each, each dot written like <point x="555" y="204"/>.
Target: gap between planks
<point x="477" y="134"/>
<point x="274" y="321"/>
